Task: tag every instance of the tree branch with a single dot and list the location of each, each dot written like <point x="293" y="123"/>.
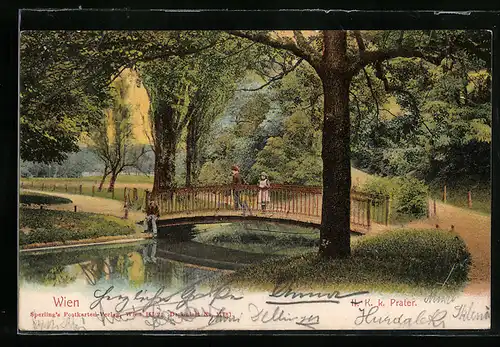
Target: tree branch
<point x="274" y="78"/>
<point x="392" y="89"/>
<point x="372" y="57"/>
<point x="359" y="41"/>
<point x="287" y="44"/>
<point x="370" y="86"/>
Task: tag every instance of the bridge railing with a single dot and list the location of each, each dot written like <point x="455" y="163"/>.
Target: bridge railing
<point x="279" y="199"/>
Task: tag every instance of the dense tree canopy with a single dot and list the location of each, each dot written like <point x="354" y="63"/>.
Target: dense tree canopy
<point x="392" y="102"/>
<point x="65" y="77"/>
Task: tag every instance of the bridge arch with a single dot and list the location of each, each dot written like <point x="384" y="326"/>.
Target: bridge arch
<point x="285" y="203"/>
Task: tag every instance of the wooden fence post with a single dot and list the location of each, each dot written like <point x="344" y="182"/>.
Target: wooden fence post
<point x="368" y="213"/>
<point x="434" y="207"/>
<point x="444" y="193"/>
<point x="43" y="186"/>
<point x="125" y="197"/>
<point x="81" y="191"/>
<point x="387" y="209"/>
<point x="66" y="187"/>
<point x="93" y="190"/>
<point x="469" y="199"/>
<point x="75" y="208"/>
<point x="428" y="206"/>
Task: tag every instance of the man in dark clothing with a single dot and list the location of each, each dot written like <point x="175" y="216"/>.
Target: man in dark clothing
<point x="152" y="214"/>
<point x="236" y="181"/>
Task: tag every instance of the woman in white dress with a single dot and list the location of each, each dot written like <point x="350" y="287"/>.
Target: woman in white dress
<point x="264" y="186"/>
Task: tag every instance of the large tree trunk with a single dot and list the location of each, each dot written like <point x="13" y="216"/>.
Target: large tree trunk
<point x="335" y="218"/>
<point x="165" y="150"/>
<point x="164" y="170"/>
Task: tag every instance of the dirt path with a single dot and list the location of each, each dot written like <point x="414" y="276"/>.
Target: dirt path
<point x="92" y="204"/>
<point x="475" y="230"/>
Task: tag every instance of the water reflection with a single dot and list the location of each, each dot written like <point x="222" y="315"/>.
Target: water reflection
<point x="137" y="265"/>
<point x="183" y="254"/>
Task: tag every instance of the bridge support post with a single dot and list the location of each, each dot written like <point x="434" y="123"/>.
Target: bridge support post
<point x="368" y="213"/>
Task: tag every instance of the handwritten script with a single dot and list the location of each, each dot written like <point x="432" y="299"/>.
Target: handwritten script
<point x="285" y="291"/>
<point x="129" y="307"/>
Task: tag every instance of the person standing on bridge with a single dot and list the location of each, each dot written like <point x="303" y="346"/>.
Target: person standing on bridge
<point x="264" y="186"/>
<point x="236" y="182"/>
<point x="152" y="214"/>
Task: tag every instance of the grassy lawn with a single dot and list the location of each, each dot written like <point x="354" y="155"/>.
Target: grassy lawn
<point x="261" y="237"/>
<point x="402" y="261"/>
<point x="42" y="199"/>
<point x="42" y="226"/>
<point x="456" y="194"/>
<point x="87" y="188"/>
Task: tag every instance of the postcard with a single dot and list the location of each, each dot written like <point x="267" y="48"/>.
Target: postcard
<point x="197" y="180"/>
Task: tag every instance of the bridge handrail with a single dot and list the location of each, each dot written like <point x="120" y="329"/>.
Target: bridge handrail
<point x="273" y="187"/>
<point x="284" y="199"/>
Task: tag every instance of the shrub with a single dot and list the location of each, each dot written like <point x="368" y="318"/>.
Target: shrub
<point x="420" y="255"/>
<point x="409" y="195"/>
<point x="405" y="261"/>
<point x="42" y="199"/>
<point x="380" y="186"/>
<point x="412" y="197"/>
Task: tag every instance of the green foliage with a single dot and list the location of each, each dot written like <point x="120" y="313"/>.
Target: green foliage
<point x="215" y="172"/>
<point x="412" y="197"/>
<point x="421" y="255"/>
<point x="407" y="261"/>
<point x="293" y="158"/>
<point x="409" y="195"/>
<point x="72" y="167"/>
<point x="441" y="131"/>
<point x="65" y="77"/>
<point x="40" y="226"/>
<point x="42" y="199"/>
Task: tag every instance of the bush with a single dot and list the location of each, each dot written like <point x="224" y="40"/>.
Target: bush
<point x="423" y="256"/>
<point x="405" y="261"/>
<point x="42" y="199"/>
<point x="412" y="197"/>
<point x="409" y="195"/>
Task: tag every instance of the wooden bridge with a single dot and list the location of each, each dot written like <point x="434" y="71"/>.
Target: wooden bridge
<point x="283" y="203"/>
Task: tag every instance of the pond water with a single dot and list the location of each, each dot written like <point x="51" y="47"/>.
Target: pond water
<point x="183" y="255"/>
